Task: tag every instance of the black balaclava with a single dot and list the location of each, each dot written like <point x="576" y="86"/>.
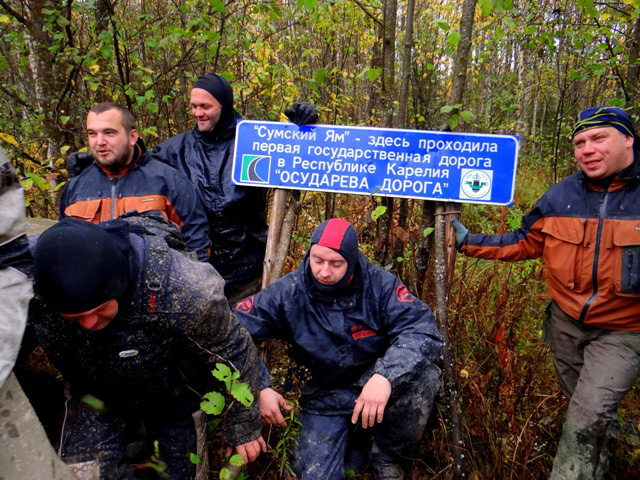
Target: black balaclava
<point x="79" y="265"/>
<point x="338" y="235"/>
<point x="221" y="90"/>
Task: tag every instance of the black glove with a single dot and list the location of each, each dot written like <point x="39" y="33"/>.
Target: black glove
<point x="8" y="177"/>
<point x="302" y="113"/>
<point x="77" y="162"/>
<point x="461" y="233"/>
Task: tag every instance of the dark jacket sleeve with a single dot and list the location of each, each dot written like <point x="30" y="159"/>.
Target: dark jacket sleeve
<point x="191" y="216"/>
<point x="64" y="201"/>
<point x="259" y="315"/>
<point x="414" y="338"/>
<point x="213" y="332"/>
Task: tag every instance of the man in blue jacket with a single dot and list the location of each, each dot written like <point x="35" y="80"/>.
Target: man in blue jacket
<point x="368" y="344"/>
<point x="237" y="215"/>
<point x="123" y="177"/>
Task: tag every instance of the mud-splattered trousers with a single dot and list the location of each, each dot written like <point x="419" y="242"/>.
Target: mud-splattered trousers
<point x="376" y="326"/>
<point x="596" y="368"/>
<point x="150" y="364"/>
<point x="588" y="234"/>
<point x="327" y="436"/>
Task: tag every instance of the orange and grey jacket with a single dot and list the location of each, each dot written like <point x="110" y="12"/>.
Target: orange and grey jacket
<point x="96" y="195"/>
<point x="589" y="237"/>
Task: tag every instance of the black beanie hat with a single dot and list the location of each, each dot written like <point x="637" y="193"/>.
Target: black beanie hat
<point x="341" y="236"/>
<point x="221" y="90"/>
<point x="79" y="266"/>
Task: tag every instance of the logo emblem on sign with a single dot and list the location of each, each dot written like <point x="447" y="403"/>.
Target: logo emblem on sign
<point x="476" y="184"/>
<point x="255" y="168"/>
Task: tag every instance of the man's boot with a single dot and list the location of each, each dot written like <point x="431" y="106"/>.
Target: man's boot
<point x="387" y="471"/>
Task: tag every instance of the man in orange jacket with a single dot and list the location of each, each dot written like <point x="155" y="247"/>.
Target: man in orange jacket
<point x="587" y="229"/>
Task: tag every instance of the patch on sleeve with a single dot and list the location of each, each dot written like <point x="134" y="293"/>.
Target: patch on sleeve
<point x="403" y="295"/>
<point x="246" y="305"/>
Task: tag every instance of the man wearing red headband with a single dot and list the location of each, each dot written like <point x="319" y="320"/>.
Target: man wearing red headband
<point x="369" y="346"/>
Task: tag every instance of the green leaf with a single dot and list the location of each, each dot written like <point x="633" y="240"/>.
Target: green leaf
<point x="486" y="7"/>
<point x="453" y="39"/>
<point x="530" y="30"/>
<point x="378" y="212"/>
<point x="195" y="459"/>
<point x="236" y="460"/>
<point x="468" y="116"/>
<point x="508" y="21"/>
<point x="64" y="119"/>
<point x="442" y="24"/>
<point x="90" y="400"/>
<point x="42" y="185"/>
<point x="427" y="231"/>
<point x="321" y="76"/>
<point x="218" y="5"/>
<point x="225" y="474"/>
<point x="373" y="73"/>
<point x="241" y="392"/>
<point x="223" y="373"/>
<point x="310" y="4"/>
<point x="446" y="109"/>
<point x="453" y="121"/>
<point x="213" y="403"/>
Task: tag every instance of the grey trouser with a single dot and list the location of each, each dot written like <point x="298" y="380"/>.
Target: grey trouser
<point x="596" y="368"/>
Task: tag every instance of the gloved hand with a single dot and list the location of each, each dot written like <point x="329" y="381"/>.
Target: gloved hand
<point x="77" y="162"/>
<point x="302" y="113"/>
<point x="461" y="233"/>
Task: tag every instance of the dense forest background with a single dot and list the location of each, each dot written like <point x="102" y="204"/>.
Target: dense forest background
<point x="493" y="66"/>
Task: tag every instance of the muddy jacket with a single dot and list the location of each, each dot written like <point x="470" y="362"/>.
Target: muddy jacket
<point x="155" y="357"/>
<point x="589" y="237"/>
<point x="237" y="226"/>
<point x="378" y="327"/>
<point x="95" y="195"/>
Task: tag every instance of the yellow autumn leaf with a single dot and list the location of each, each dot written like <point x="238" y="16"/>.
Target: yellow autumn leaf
<point x="94" y="68"/>
<point x="9" y="139"/>
<point x="464" y="373"/>
<point x="4" y="19"/>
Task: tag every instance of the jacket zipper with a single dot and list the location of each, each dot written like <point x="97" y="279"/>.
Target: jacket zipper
<point x="113" y="198"/>
<point x="596" y="255"/>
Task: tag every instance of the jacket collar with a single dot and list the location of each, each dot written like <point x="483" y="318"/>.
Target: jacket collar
<point x="627" y="176"/>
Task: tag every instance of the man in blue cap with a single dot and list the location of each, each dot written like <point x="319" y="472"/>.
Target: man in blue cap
<point x="237" y="214"/>
<point x="369" y="346"/>
<point x="587" y="229"/>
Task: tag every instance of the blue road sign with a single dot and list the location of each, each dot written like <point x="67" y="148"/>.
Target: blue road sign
<point x="458" y="167"/>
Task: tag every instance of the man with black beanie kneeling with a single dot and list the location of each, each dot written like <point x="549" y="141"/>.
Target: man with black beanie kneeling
<point x="369" y="346"/>
<point x="134" y="326"/>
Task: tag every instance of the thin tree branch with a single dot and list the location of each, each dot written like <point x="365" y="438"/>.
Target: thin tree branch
<point x="15" y="14"/>
<point x="368" y="13"/>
